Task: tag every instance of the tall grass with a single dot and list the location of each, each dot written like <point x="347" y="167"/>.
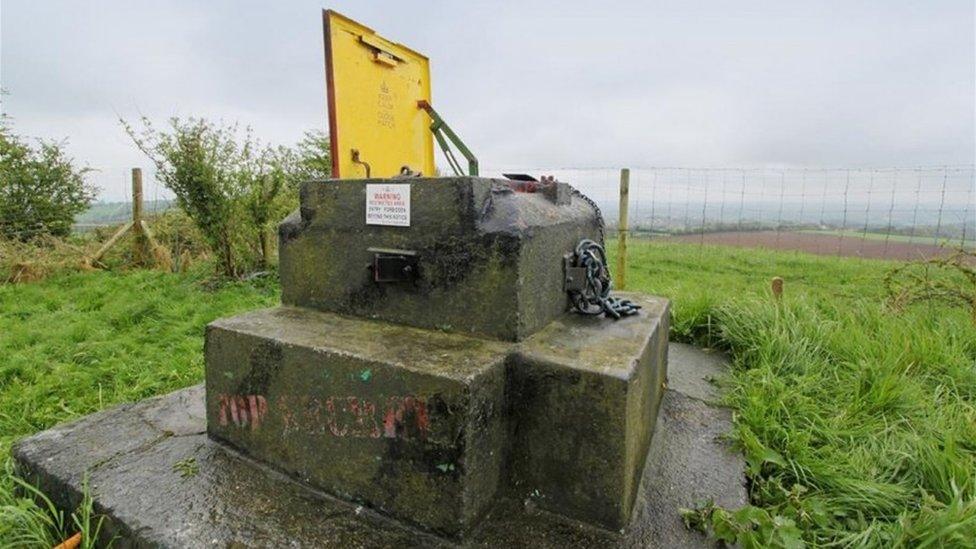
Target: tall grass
<point x="28" y="518"/>
<point x="858" y="421"/>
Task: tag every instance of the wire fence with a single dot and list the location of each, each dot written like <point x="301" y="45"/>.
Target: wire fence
<point x="894" y="213"/>
<point x="113" y="207"/>
<point x="117" y="184"/>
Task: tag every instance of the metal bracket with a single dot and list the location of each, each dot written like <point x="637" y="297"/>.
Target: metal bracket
<point x="442" y="132"/>
<point x="394" y="265"/>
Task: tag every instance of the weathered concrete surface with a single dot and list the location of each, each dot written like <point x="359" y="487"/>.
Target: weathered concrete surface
<point x="695" y="372"/>
<point x="427" y="426"/>
<point x="480" y="246"/>
<point x="584" y="393"/>
<point x="131" y="455"/>
<point x="407" y="421"/>
<point x="688" y="461"/>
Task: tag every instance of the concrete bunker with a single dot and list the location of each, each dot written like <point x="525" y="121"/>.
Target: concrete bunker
<point x="428" y="368"/>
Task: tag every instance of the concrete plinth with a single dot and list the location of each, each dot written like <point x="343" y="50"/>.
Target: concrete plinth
<point x="479" y="245"/>
<point x="131" y="455"/>
<point x="430" y="427"/>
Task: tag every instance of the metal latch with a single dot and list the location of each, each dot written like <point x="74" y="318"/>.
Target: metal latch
<point x="381" y="50"/>
<point x="575" y="277"/>
<point x="394" y="265"/>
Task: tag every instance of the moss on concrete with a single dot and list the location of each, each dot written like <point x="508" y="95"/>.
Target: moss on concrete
<point x="561" y="418"/>
<point x="479" y="245"/>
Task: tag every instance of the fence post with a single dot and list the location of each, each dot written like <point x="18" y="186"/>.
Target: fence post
<point x="622" y="229"/>
<point x="777" y="287"/>
<point x="139" y="240"/>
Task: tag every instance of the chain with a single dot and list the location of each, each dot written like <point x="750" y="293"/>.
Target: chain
<point x="594" y="298"/>
<point x="599" y="214"/>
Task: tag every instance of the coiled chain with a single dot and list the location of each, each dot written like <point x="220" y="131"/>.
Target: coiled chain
<point x="594" y="298"/>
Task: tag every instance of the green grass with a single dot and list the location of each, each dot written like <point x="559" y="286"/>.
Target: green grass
<point x="858" y="422"/>
<point x="77" y="343"/>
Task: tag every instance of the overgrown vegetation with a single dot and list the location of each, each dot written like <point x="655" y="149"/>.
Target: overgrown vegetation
<point x="42" y="256"/>
<point x="233" y="187"/>
<point x="948" y="281"/>
<point x="857" y="419"/>
<point x="181" y="245"/>
<point x="35" y="521"/>
<point x="41" y="190"/>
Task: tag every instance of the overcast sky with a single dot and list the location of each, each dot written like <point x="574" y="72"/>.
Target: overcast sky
<point x="540" y="84"/>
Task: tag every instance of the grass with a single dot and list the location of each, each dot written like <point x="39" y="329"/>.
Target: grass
<point x="35" y="521"/>
<point x="77" y="343"/>
<point x="858" y="421"/>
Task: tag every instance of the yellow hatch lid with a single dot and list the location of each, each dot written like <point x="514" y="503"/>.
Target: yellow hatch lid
<point x="374" y="86"/>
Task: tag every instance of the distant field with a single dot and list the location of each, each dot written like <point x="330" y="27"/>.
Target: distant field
<point x="836" y="243"/>
<point x="969" y="243"/>
<point x="114" y="213"/>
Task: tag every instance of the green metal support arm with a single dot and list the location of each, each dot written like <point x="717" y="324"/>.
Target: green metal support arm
<point x="442" y="132"/>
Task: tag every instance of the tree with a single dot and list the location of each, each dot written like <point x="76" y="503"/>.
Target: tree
<point x="41" y="190"/>
<point x="200" y="162"/>
<point x="314" y="156"/>
<point x="272" y="179"/>
<point x="233" y="188"/>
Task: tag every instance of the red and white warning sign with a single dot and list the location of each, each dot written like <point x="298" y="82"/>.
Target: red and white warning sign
<point x="388" y="205"/>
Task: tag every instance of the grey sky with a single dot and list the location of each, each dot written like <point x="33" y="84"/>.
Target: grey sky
<point x="541" y="84"/>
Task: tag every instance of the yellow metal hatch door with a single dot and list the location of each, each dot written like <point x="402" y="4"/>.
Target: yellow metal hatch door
<point x="374" y="86"/>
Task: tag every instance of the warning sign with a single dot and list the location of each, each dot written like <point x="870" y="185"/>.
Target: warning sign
<point x="388" y="205"/>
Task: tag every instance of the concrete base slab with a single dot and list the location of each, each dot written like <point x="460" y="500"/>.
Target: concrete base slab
<point x="162" y="482"/>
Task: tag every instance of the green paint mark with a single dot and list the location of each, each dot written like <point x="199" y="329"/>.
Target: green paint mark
<point x="366" y="375"/>
<point x="445" y="467"/>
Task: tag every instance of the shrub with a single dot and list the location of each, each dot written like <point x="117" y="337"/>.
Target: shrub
<point x="41" y="190"/>
<point x="271" y="180"/>
<point x="199" y="162"/>
<point x="177" y="233"/>
<point x="314" y="156"/>
<point x="233" y="188"/>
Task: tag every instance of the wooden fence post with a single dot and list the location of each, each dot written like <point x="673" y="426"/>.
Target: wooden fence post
<point x="139" y="241"/>
<point x="144" y="245"/>
<point x="622" y="229"/>
<point x="777" y="287"/>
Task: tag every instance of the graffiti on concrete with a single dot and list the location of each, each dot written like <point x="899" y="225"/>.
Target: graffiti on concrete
<point x="242" y="410"/>
<point x="401" y="417"/>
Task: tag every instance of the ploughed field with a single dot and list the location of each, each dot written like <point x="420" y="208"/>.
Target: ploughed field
<point x="835" y="243"/>
<point x="857" y="418"/>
